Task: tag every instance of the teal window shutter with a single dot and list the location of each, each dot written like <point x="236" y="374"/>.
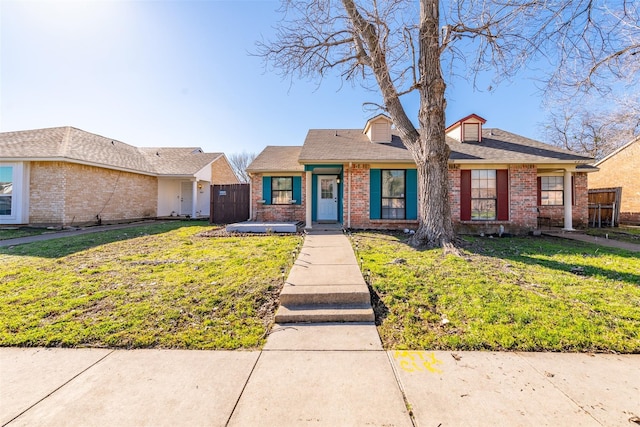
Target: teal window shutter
<point x="266" y="189"/>
<point x="412" y="194"/>
<point x="297" y="190"/>
<point x="375" y="200"/>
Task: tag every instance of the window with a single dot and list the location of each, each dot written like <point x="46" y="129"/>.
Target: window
<point x="6" y="189"/>
<point x="281" y="190"/>
<point x="483" y="195"/>
<point x="551" y="190"/>
<point x="393" y="194"/>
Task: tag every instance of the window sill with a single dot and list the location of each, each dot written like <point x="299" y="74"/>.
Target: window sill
<point x="488" y="221"/>
<point x="381" y="220"/>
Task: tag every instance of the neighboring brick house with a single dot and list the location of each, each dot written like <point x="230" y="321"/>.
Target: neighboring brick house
<point x="368" y="179"/>
<point x="66" y="176"/>
<point x="622" y="169"/>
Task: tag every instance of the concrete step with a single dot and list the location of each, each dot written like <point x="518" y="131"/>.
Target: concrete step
<point x="325" y="294"/>
<point x="322" y="313"/>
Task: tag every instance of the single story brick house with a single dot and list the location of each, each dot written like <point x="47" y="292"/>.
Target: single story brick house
<point x="622" y="169"/>
<point x="367" y="179"/>
<point x="65" y="176"/>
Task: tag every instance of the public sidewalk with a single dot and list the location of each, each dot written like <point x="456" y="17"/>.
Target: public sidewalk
<point x="316" y="374"/>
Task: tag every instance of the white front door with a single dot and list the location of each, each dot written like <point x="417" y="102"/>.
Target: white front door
<point x="327" y="198"/>
<point x="186" y="198"/>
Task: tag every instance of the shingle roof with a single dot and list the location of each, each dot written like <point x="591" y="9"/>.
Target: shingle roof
<point x="72" y="144"/>
<point x="178" y="161"/>
<point x="277" y="158"/>
<point x="497" y="146"/>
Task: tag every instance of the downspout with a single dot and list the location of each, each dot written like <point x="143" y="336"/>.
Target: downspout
<point x="250" y="198"/>
<point x="349" y="198"/>
<point x="194" y="201"/>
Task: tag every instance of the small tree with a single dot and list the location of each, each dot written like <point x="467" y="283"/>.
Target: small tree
<point x="239" y="163"/>
<point x="401" y="45"/>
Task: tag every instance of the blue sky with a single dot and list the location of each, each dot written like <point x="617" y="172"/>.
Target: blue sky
<point x="178" y="73"/>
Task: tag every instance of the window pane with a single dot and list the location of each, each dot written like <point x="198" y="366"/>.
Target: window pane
<point x="393" y="183"/>
<point x="552" y="183"/>
<point x="281" y="197"/>
<point x="6" y="189"/>
<point x="552" y="198"/>
<point x="393" y="209"/>
<point x="483" y="209"/>
<point x="285" y="183"/>
<point x="326" y="188"/>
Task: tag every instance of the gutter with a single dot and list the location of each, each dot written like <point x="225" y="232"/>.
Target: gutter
<point x="349" y="197"/>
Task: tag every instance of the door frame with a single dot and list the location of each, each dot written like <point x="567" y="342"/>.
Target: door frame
<point x="319" y="198"/>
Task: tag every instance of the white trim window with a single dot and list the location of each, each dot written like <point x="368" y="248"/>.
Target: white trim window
<point x="552" y="190"/>
<point x="6" y="191"/>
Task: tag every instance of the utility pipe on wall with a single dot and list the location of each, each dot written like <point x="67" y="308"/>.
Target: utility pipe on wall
<point x="349" y="197"/>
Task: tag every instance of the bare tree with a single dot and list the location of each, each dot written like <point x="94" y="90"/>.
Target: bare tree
<point x="239" y="163"/>
<point x="593" y="130"/>
<point x="402" y="46"/>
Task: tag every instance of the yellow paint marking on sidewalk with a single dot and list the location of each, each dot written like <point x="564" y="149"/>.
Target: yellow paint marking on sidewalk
<point x="417" y="361"/>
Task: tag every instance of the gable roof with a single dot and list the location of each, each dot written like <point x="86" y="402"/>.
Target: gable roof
<point x="464" y="119"/>
<point x="373" y="119"/>
<point x="635" y="140"/>
<point x="277" y="158"/>
<point x="78" y="146"/>
<point x="497" y="146"/>
<point x="178" y="161"/>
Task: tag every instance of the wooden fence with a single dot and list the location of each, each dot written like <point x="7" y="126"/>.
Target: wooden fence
<point x="229" y="203"/>
<point x="604" y="207"/>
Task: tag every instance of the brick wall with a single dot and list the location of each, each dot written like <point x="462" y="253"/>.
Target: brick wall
<point x="622" y="170"/>
<point x="70" y="194"/>
<point x="222" y="173"/>
<point x="359" y="175"/>
<point x="523" y="195"/>
<point x="47" y="186"/>
<point x="271" y="213"/>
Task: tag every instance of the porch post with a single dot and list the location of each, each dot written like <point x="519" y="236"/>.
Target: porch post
<point x="308" y="200"/>
<point x="568" y="199"/>
<point x="194" y="201"/>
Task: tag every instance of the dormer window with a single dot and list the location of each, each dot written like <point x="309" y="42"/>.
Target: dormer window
<point x="378" y="129"/>
<point x="468" y="129"/>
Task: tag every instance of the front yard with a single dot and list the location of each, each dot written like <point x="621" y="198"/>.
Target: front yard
<point x="527" y="294"/>
<point x="161" y="286"/>
<point x="181" y="285"/>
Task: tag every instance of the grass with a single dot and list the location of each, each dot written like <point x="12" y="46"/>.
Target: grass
<point x="14" y="233"/>
<point x="161" y="286"/>
<point x="525" y="294"/>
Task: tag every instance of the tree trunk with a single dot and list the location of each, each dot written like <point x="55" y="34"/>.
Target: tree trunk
<point x="431" y="151"/>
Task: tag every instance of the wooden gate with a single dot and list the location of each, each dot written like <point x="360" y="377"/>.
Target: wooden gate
<point x="604" y="207"/>
<point x="229" y="203"/>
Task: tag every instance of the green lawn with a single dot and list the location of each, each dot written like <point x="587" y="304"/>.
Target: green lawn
<point x="528" y="294"/>
<point x="162" y="286"/>
<point x="14" y="233"/>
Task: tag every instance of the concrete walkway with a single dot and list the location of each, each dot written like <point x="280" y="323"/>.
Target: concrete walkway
<point x="602" y="241"/>
<point x="325" y="374"/>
